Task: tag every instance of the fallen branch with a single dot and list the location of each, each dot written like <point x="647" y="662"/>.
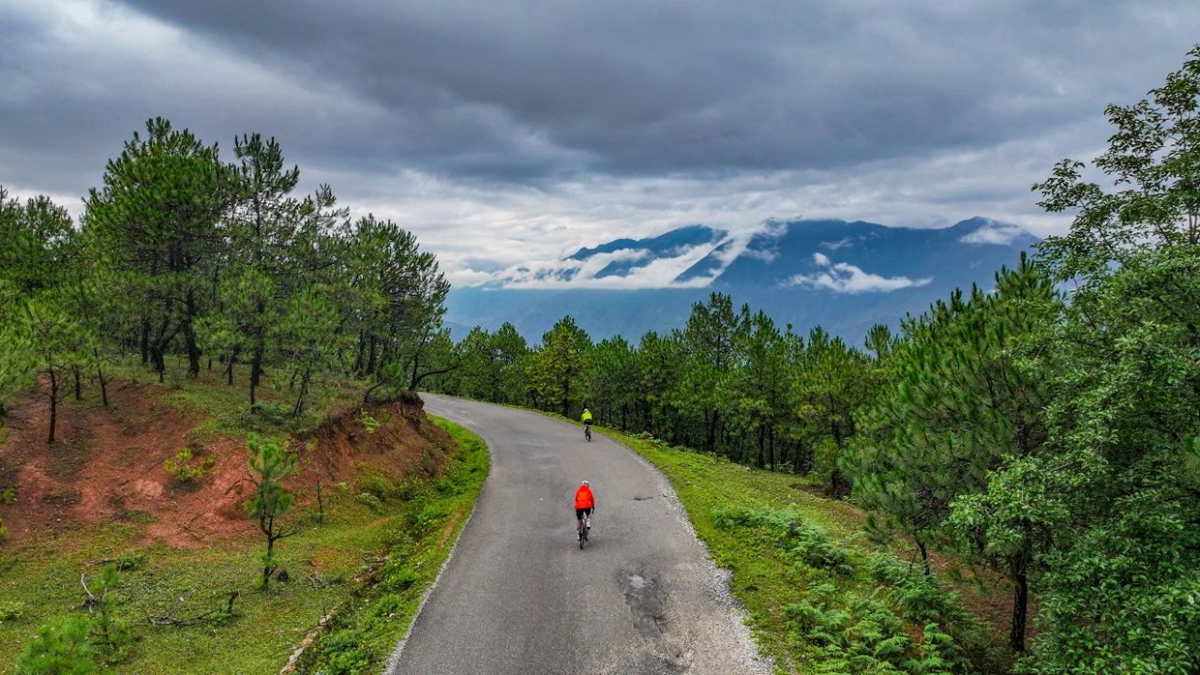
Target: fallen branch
<point x="168" y="620"/>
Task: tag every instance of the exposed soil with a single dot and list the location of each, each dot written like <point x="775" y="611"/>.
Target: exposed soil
<point x="107" y="465"/>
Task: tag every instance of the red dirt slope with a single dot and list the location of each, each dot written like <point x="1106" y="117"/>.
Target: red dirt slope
<point x="108" y="465"/>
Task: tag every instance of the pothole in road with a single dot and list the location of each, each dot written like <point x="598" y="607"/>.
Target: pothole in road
<point x="647" y="603"/>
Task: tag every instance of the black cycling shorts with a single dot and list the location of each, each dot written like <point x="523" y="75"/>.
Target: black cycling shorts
<point x="579" y="512"/>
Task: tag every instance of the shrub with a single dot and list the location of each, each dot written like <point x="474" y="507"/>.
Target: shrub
<point x="377" y="485"/>
<point x="370" y="500"/>
<point x="131" y="560"/>
<point x="917" y="595"/>
<point x="11" y="610"/>
<point x="370" y="424"/>
<point x="3" y="531"/>
<point x="59" y="648"/>
<point x="808" y="544"/>
<point x="109" y="632"/>
<point x="8" y="495"/>
<point x="813" y="547"/>
<point x="186" y="469"/>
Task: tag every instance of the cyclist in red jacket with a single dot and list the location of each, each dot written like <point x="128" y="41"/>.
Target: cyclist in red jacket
<point x="585" y="503"/>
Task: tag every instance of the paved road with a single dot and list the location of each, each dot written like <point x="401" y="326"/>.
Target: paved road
<point x="518" y="597"/>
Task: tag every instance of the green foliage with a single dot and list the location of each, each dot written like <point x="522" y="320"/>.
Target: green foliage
<point x="59" y="648"/>
<point x="186" y="469"/>
<point x="129" y="561"/>
<point x="804" y="543"/>
<point x="270" y="463"/>
<point x="556" y="370"/>
<point x="369" y="423"/>
<point x="8" y="495"/>
<point x="11" y="610"/>
<point x="108" y="632"/>
<point x="361" y="636"/>
<point x="370" y="501"/>
<point x="378" y="486"/>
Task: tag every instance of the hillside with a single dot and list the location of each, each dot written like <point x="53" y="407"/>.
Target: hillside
<point x="844" y="276"/>
<point x="101" y="493"/>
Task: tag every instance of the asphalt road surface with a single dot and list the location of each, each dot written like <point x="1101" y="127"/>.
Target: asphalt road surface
<point x="518" y="597"/>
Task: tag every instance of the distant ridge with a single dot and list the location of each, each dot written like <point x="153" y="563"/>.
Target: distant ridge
<point x="844" y="276"/>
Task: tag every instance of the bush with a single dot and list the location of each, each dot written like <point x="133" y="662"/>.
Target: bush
<point x="11" y="610"/>
<point x="131" y="560"/>
<point x="8" y="495"/>
<point x="3" y="531"/>
<point x="59" y="648"/>
<point x="370" y="500"/>
<point x="370" y="424"/>
<point x="377" y="485"/>
<point x="916" y="595"/>
<point x="813" y="547"/>
<point x="808" y="544"/>
<point x="186" y="469"/>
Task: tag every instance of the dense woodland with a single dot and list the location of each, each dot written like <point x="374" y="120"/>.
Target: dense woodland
<point x="1047" y="427"/>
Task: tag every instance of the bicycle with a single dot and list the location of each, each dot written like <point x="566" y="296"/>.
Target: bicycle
<point x="587" y="432"/>
<point x="583" y="530"/>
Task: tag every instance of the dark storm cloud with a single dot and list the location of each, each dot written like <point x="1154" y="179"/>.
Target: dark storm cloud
<point x="515" y="89"/>
<point x="506" y="132"/>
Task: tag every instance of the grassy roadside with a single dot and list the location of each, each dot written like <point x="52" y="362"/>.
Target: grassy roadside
<point x="359" y="557"/>
<point x="363" y="634"/>
<point x="820" y="597"/>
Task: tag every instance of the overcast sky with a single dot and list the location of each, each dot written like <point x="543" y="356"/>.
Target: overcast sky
<point x="504" y="132"/>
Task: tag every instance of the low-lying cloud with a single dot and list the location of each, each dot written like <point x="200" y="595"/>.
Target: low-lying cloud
<point x="846" y="278"/>
<point x="1001" y="234"/>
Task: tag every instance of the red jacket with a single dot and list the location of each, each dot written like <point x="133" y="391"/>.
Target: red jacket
<point x="584" y="498"/>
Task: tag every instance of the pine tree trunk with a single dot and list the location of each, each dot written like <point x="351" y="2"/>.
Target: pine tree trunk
<point x="229" y="370"/>
<point x="1019" y="569"/>
<point x="371" y="356"/>
<point x="299" y="409"/>
<point x="268" y="568"/>
<point x="189" y="335"/>
<point x="924" y="554"/>
<point x="103" y="386"/>
<point x="256" y="355"/>
<point x="762" y="443"/>
<point x="362" y="348"/>
<point x="771" y="448"/>
<point x="53" y="405"/>
<point x="145" y="342"/>
<point x="256" y="360"/>
<point x="78" y="384"/>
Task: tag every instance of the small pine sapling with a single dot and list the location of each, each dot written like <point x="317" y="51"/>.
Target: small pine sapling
<point x="108" y="632"/>
<point x="59" y="648"/>
<point x="270" y="463"/>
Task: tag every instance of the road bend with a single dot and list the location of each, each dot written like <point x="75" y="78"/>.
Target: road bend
<point x="518" y="596"/>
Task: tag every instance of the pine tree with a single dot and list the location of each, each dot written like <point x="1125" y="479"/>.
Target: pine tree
<point x="270" y="464"/>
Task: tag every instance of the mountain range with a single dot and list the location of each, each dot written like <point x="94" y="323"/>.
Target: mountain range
<point x="844" y="276"/>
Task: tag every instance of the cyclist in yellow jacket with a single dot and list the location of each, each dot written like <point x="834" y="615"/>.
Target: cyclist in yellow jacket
<point x="586" y="418"/>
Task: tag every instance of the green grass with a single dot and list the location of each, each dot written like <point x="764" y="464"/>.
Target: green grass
<point x="354" y="556"/>
<point x="363" y="634"/>
<point x="820" y="597"/>
<point x="224" y="410"/>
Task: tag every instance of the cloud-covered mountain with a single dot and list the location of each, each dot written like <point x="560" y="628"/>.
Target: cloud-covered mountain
<point x="842" y="275"/>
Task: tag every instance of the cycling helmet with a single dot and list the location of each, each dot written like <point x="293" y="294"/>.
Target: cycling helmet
<point x="584" y="483"/>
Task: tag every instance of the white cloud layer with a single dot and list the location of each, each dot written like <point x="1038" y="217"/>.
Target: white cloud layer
<point x="846" y="278"/>
<point x="1001" y="234"/>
